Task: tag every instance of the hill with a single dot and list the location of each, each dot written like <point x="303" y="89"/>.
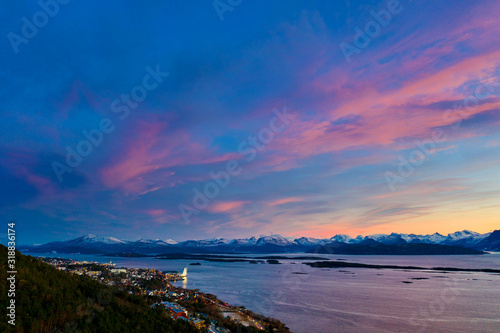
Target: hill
<point x="49" y="300"/>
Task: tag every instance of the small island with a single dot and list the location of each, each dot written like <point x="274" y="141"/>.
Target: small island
<point x="342" y="264"/>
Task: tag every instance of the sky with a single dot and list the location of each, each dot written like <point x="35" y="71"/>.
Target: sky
<point x="201" y="119"/>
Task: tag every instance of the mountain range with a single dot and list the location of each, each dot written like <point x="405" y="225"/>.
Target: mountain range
<point x="274" y="244"/>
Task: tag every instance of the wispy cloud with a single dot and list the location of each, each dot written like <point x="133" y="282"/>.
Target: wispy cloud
<point x="323" y="175"/>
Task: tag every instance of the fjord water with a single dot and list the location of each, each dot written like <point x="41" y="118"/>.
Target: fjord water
<point x="352" y="299"/>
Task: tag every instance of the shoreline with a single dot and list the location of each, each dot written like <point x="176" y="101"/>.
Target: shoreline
<point x="199" y="308"/>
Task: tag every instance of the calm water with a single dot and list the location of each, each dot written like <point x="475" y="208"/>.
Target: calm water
<point x="352" y="299"/>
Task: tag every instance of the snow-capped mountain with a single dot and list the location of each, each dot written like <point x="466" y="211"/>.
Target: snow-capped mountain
<point x="91" y="238"/>
<point x="460" y="238"/>
<point x="435" y="238"/>
<point x="205" y="242"/>
<point x="152" y="241"/>
<point x="266" y="244"/>
<point x="243" y="241"/>
<point x="411" y="238"/>
<point x="388" y="239"/>
<point x="471" y="236"/>
<point x="491" y="242"/>
<point x="343" y="239"/>
<point x="307" y="241"/>
<point x="273" y="239"/>
<point x="464" y="238"/>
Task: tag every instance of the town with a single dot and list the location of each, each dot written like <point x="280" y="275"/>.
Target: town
<point x="204" y="311"/>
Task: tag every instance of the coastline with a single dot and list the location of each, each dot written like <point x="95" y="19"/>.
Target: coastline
<point x="202" y="310"/>
<point x="278" y="291"/>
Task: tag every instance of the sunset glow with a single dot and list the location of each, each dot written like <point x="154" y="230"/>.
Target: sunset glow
<point x="403" y="138"/>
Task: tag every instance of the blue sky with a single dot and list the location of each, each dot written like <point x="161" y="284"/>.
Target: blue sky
<point x="421" y="87"/>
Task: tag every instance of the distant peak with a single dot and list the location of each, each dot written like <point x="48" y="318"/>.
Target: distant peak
<point x="92" y="238"/>
<point x="87" y="236"/>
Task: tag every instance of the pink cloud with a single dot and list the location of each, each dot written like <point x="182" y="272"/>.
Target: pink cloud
<point x="284" y="201"/>
<point x="225" y="206"/>
<point x="155" y="212"/>
<point x="385" y="116"/>
<point x="153" y="146"/>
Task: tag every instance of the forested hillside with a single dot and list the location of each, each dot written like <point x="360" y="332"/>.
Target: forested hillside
<point x="48" y="300"/>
